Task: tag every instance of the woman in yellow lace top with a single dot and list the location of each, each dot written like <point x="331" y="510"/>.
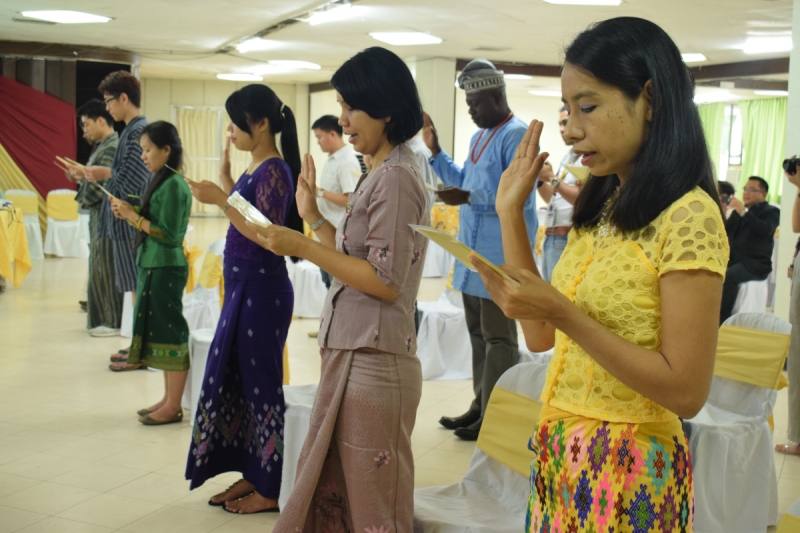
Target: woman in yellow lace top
<point x="633" y="306"/>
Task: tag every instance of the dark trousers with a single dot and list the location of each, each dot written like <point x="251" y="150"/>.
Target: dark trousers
<point x="735" y="276"/>
<point x="326" y="278"/>
<point x="494" y="346"/>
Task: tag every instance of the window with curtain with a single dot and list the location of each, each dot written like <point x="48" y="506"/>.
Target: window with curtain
<point x="764" y="141"/>
<point x="713" y="118"/>
<point x="203" y="131"/>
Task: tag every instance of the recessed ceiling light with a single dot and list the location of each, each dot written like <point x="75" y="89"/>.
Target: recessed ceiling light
<point x="255" y="44"/>
<point x="767" y="45"/>
<point x="65" y="17"/>
<point x="405" y="38"/>
<point x="335" y="14"/>
<point x="693" y="57"/>
<point x="771" y="93"/>
<point x="239" y="77"/>
<point x="537" y="92"/>
<point x="585" y="2"/>
<point x="291" y="64"/>
<point x="517" y="77"/>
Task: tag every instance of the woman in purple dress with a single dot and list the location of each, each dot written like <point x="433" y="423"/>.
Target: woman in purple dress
<point x="238" y="422"/>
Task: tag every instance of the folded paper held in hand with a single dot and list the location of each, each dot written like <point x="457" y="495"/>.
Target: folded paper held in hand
<point x="431" y="187"/>
<point x="248" y="211"/>
<point x="103" y="189"/>
<point x="459" y="250"/>
<point x="582" y="173"/>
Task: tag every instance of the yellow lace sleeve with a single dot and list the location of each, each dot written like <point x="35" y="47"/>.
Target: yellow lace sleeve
<point x="694" y="236"/>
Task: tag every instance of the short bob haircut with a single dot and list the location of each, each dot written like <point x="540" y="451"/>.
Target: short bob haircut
<point x="120" y="82"/>
<point x="626" y="53"/>
<point x="379" y="83"/>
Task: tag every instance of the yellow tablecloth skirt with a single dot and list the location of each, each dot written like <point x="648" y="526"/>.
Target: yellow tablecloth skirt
<point x="15" y="259"/>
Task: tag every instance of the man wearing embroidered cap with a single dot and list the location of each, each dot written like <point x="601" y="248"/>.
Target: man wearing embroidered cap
<point x="474" y="188"/>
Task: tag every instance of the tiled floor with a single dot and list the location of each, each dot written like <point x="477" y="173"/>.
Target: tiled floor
<point x="73" y="458"/>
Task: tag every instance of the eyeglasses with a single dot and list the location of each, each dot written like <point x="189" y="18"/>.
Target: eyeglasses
<point x="107" y="100"/>
<point x="751" y="189"/>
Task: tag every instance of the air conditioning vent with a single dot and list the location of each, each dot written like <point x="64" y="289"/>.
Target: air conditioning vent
<point x="34" y="21"/>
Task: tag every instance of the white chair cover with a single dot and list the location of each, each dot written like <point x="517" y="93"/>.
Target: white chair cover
<point x="443" y="345"/>
<point x="199" y="344"/>
<point x="752" y="297"/>
<point x="126" y="326"/>
<point x="201" y="307"/>
<point x="67" y="238"/>
<point x="527" y="356"/>
<point x="309" y="291"/>
<point x="437" y="262"/>
<point x="32" y="226"/>
<point x="735" y="484"/>
<point x="299" y="400"/>
<point x="491" y="498"/>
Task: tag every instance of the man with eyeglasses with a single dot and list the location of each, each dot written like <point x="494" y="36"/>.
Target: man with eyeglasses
<point x="751" y="230"/>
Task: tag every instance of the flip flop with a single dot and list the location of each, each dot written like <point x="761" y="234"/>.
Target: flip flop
<point x="127" y="366"/>
<point x="222" y="504"/>
<point x="121" y="355"/>
<point x="788" y="449"/>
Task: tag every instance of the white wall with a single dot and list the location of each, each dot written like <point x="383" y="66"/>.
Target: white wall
<point x="320" y="103"/>
<point x="526" y="107"/>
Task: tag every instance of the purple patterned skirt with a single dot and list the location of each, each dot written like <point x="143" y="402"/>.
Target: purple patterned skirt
<point x="238" y="423"/>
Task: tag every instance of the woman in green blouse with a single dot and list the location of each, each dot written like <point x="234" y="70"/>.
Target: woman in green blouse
<point x="160" y="333"/>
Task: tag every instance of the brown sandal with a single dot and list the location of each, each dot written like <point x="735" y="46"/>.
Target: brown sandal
<point x="121" y="355"/>
<point x="791" y="448"/>
<point x="124" y="366"/>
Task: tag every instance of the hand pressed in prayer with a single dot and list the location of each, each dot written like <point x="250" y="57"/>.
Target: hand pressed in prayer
<point x="122" y="209"/>
<point x="429" y="135"/>
<point x="306" y="194"/>
<point x="453" y="196"/>
<point x="518" y="180"/>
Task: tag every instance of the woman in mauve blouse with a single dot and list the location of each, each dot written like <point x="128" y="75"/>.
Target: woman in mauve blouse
<point x="356" y="470"/>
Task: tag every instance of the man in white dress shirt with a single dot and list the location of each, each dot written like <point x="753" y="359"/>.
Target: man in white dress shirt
<point x="559" y="190"/>
<point x="339" y="176"/>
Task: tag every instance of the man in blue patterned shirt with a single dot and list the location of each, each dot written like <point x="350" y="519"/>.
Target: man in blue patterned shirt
<point x="474" y="188"/>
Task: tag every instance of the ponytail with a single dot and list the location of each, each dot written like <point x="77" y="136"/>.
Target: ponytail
<point x="290" y="149"/>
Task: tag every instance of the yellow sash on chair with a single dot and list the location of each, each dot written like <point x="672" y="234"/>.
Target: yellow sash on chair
<point x="211" y="275"/>
<point x="62" y="207"/>
<point x="752" y="356"/>
<point x="506" y="429"/>
<point x="28" y="204"/>
<point x="192" y="254"/>
<point x="789" y="524"/>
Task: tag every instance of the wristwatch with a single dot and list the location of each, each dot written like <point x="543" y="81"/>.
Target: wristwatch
<point x="320" y="192"/>
<point x="554" y="182"/>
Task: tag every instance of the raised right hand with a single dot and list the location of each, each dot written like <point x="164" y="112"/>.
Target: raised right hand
<point x="429" y="135"/>
<point x="518" y="180"/>
<point x="306" y="194"/>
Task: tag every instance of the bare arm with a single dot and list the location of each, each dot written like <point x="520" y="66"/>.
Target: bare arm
<point x="568" y="192"/>
<point x="225" y="178"/>
<point x="336" y="199"/>
<point x="796" y="215"/>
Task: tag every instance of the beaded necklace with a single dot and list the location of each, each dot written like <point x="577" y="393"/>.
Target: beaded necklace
<point x="472" y="152"/>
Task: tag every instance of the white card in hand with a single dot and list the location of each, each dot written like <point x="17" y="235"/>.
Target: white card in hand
<point x="248" y="211"/>
<point x="459" y="250"/>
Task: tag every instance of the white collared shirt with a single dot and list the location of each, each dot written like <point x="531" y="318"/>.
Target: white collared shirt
<point x="559" y="210"/>
<point x="340" y="176"/>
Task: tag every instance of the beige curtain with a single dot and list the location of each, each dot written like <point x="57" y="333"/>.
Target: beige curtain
<point x="203" y="133"/>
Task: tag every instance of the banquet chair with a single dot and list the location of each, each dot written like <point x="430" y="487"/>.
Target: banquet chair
<point x="492" y="497"/>
<point x="752" y="297"/>
<point x="202" y="306"/>
<point x="443" y="345"/>
<point x="28" y="201"/>
<point x="66" y="235"/>
<point x="736" y="486"/>
<point x="309" y="290"/>
<point x="299" y="402"/>
<point x="437" y="262"/>
<point x="790" y="523"/>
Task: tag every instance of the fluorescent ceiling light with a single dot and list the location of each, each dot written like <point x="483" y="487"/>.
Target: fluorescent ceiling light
<point x="239" y="77"/>
<point x="517" y="76"/>
<point x="692" y="57"/>
<point x="767" y="45"/>
<point x="585" y="2"/>
<point x="713" y="96"/>
<point x="295" y="65"/>
<point x="335" y="14"/>
<point x="771" y="93"/>
<point x="65" y="17"/>
<point x="405" y="38"/>
<point x="255" y="44"/>
<point x="537" y="92"/>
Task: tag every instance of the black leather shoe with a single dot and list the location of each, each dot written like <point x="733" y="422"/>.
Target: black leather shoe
<point x="470" y="417"/>
<point x="470" y="432"/>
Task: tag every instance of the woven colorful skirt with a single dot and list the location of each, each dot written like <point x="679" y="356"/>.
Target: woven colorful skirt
<point x="600" y="477"/>
<point x="160" y="333"/>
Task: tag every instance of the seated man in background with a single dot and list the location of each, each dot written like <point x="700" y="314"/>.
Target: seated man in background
<point x="751" y="230"/>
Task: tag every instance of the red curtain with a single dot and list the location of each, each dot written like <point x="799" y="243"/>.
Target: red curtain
<point x="34" y="128"/>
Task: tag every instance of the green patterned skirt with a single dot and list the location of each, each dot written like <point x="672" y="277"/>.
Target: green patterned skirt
<point x="160" y="333"/>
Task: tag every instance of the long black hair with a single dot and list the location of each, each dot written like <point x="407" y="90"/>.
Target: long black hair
<point x="161" y="134"/>
<point x="379" y="83"/>
<point x="253" y="103"/>
<point x="626" y="53"/>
